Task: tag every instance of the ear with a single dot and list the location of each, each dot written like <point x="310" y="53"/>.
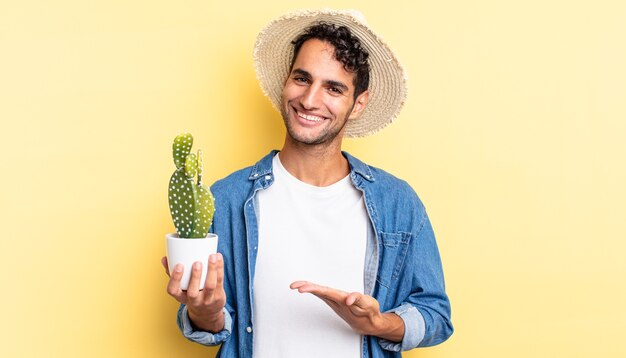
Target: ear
<point x="359" y="104"/>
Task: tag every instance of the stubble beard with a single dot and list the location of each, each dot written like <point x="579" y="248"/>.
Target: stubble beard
<point x="327" y="136"/>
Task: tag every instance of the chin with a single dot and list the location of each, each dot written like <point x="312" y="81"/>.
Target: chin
<point x="304" y="139"/>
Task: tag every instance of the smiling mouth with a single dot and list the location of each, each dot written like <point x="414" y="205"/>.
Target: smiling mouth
<point x="309" y="117"/>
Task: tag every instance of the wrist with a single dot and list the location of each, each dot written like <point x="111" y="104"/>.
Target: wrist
<point x="390" y="326"/>
<point x="210" y="322"/>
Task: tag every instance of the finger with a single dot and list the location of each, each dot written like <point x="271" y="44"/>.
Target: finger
<point x="320" y="291"/>
<point x="315" y="289"/>
<point x="297" y="284"/>
<point x="220" y="271"/>
<point x="173" y="286"/>
<point x="308" y="287"/>
<point x="360" y="304"/>
<point x="334" y="294"/>
<point x="334" y="305"/>
<point x="357" y="304"/>
<point x="339" y="309"/>
<point x="193" y="290"/>
<point x="165" y="265"/>
<point x="211" y="277"/>
<point x="353" y="299"/>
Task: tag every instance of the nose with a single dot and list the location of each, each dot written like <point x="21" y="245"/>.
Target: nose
<point x="311" y="97"/>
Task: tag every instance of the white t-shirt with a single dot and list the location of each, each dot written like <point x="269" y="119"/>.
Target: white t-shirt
<point x="310" y="233"/>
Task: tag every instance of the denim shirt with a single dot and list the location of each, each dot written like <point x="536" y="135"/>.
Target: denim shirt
<point x="402" y="265"/>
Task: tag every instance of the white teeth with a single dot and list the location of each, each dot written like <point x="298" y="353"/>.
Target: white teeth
<point x="310" y="118"/>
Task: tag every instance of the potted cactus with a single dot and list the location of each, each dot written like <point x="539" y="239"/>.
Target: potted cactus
<point x="192" y="206"/>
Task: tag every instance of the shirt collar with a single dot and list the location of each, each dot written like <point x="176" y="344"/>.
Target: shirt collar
<point x="264" y="167"/>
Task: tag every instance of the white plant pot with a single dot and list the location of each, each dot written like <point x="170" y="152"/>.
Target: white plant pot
<point x="186" y="252"/>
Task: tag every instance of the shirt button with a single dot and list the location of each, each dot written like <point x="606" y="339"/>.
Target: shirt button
<point x="268" y="177"/>
<point x="249" y="329"/>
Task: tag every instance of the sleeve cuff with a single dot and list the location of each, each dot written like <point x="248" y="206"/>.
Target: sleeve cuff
<point x="414" y="329"/>
<point x="202" y="337"/>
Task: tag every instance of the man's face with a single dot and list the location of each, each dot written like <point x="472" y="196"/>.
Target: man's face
<point x="318" y="97"/>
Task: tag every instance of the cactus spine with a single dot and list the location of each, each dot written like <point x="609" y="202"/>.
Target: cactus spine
<point x="191" y="203"/>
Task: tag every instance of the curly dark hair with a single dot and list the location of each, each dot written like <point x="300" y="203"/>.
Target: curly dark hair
<point x="348" y="51"/>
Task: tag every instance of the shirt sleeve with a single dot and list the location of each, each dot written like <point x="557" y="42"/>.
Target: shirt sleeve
<point x="414" y="329"/>
<point x="202" y="337"/>
<point x="425" y="310"/>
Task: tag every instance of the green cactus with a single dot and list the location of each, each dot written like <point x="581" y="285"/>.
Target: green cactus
<point x="191" y="203"/>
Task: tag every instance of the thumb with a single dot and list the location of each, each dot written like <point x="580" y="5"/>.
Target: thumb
<point x="356" y="299"/>
<point x="362" y="305"/>
<point x="165" y="265"/>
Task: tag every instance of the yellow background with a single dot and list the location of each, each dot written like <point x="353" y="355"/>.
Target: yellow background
<point x="513" y="136"/>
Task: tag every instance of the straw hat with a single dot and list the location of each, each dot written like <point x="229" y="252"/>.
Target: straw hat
<point x="273" y="51"/>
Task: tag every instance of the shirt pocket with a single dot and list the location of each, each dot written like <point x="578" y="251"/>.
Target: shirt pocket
<point x="393" y="248"/>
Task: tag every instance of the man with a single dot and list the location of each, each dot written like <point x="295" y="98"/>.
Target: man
<point x="320" y="255"/>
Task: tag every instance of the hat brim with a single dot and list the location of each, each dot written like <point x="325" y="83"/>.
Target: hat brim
<point x="387" y="88"/>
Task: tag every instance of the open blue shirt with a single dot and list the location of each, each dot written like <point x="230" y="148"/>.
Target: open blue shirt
<point x="402" y="264"/>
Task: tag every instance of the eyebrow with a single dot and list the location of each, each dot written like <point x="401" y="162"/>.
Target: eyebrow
<point x="331" y="83"/>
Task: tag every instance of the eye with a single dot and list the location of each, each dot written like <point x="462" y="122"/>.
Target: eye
<point x="300" y="79"/>
<point x="335" y="90"/>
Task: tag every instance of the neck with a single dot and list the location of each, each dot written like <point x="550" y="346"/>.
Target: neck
<point x="314" y="164"/>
